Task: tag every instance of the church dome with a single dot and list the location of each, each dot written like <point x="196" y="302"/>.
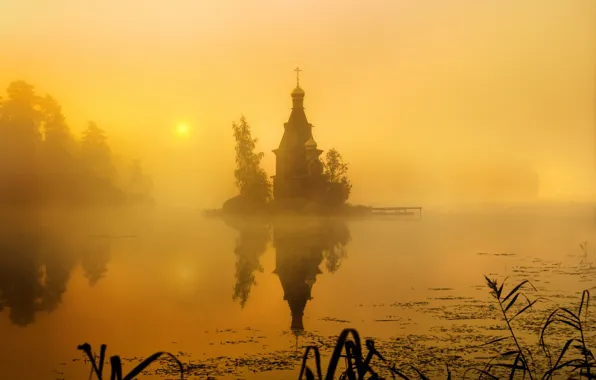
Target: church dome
<point x="310" y="144"/>
<point x="298" y="91"/>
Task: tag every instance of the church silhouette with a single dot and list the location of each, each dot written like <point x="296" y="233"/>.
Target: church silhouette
<point x="298" y="167"/>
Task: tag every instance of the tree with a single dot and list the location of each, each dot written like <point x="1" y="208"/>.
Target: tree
<point x="96" y="152"/>
<point x="335" y="172"/>
<point x="140" y="184"/>
<point x="251" y="179"/>
<point x="59" y="151"/>
<point x="99" y="184"/>
<point x="95" y="141"/>
<point x="20" y="141"/>
<point x="20" y="113"/>
<point x="55" y="130"/>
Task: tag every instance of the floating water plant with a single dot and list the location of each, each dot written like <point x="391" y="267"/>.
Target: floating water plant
<point x="574" y="356"/>
<point x="514" y="360"/>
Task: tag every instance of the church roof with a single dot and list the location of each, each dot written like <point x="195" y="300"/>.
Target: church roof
<point x="298" y="91"/>
<point x="297" y="134"/>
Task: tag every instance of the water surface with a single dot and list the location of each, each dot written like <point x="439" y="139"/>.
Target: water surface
<point x="235" y="297"/>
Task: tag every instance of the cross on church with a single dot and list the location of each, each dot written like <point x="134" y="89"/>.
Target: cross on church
<point x="297" y="70"/>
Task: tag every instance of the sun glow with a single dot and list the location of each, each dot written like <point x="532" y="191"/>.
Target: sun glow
<point x="182" y="130"/>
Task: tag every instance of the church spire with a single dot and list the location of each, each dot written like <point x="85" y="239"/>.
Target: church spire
<point x="298" y="93"/>
<point x="297" y="70"/>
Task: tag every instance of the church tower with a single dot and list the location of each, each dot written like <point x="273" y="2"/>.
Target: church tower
<point x="298" y="168"/>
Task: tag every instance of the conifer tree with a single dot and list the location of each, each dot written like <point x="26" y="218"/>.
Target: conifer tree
<point x="20" y="142"/>
<point x="96" y="152"/>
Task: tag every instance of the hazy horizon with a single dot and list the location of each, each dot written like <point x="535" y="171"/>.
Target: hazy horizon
<point x="427" y="101"/>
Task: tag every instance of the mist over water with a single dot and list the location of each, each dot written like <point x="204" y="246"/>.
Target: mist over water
<point x="232" y="289"/>
<point x="116" y="135"/>
<point x="428" y="102"/>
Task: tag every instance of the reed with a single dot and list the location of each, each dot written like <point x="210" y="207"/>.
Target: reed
<point x="116" y="363"/>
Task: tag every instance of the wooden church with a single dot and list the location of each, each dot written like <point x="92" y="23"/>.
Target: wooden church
<point x="298" y="167"/>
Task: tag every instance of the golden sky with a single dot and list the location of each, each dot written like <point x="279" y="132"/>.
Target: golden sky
<point x="404" y="89"/>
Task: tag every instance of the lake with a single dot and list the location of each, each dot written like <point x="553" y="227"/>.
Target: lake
<point x="237" y="298"/>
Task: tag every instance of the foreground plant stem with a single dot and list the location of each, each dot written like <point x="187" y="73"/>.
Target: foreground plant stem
<point x="521" y="352"/>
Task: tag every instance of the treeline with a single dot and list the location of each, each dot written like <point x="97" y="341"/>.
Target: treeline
<point x="42" y="162"/>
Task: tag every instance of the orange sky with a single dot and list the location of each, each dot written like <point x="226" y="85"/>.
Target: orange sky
<point x="418" y="86"/>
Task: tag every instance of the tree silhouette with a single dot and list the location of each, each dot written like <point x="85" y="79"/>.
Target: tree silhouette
<point x="60" y="166"/>
<point x="96" y="153"/>
<point x="338" y="185"/>
<point x="100" y="174"/>
<point x="55" y="130"/>
<point x="40" y="160"/>
<point x="140" y="184"/>
<point x="251" y="179"/>
<point x="21" y="116"/>
<point x="20" y="140"/>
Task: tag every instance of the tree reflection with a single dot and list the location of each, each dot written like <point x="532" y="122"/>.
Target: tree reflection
<point x="251" y="244"/>
<point x="57" y="261"/>
<point x="21" y="287"/>
<point x="335" y="236"/>
<point x="34" y="272"/>
<point x="301" y="246"/>
<point x="95" y="260"/>
<point x="35" y="267"/>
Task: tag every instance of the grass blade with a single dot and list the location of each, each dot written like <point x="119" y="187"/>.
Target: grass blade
<point x="512" y="302"/>
<point x="422" y="376"/>
<point x="515" y="289"/>
<point x="145" y="363"/>
<point x="398" y="373"/>
<point x="529" y="305"/>
<point x="512" y="373"/>
<point x="305" y="368"/>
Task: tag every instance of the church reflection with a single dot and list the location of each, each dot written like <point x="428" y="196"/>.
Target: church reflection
<point x="301" y="248"/>
<point x="36" y="265"/>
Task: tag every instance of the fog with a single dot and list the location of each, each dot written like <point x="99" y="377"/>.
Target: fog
<point x="430" y="102"/>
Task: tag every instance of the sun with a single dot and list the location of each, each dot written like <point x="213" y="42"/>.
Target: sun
<point x="182" y="129"/>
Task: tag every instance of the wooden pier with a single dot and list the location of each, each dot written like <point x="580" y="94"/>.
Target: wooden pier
<point x="396" y="211"/>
